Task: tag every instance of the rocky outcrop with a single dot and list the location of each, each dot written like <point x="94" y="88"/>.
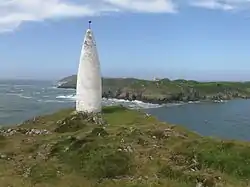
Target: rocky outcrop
<point x="176" y="97"/>
<point x="24" y="131"/>
<point x="77" y="121"/>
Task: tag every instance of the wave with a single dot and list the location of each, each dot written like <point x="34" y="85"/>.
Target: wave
<point x="108" y="102"/>
<point x="65" y="89"/>
<point x="12" y="93"/>
<point x="52" y="87"/>
<point x="193" y="102"/>
<point x="71" y="97"/>
<point x="50" y="101"/>
<point x="25" y="97"/>
<point x="19" y="95"/>
<point x="130" y="104"/>
<point x="11" y="110"/>
<point x="23" y="85"/>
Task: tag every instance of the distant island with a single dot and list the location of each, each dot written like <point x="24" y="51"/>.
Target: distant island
<point x="117" y="148"/>
<point x="162" y="91"/>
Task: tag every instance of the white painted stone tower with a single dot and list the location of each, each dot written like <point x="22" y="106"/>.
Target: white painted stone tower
<point x="89" y="82"/>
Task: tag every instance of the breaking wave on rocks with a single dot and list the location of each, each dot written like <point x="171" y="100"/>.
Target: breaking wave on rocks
<point x="131" y="104"/>
<point x="69" y="97"/>
<point x="110" y="102"/>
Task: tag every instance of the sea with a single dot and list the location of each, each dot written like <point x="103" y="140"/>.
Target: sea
<point x="24" y="99"/>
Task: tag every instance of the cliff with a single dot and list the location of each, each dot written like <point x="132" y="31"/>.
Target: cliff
<point x="66" y="149"/>
<point x="165" y="90"/>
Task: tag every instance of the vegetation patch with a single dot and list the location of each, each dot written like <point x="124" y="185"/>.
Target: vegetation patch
<point x="227" y="157"/>
<point x="176" y="174"/>
<point x="94" y="156"/>
<point x="108" y="164"/>
<point x="132" y="150"/>
<point x="189" y="177"/>
<point x="42" y="173"/>
<point x="2" y="141"/>
<point x="71" y="123"/>
<point x="99" y="131"/>
<point x="77" y="121"/>
<point x="114" y="109"/>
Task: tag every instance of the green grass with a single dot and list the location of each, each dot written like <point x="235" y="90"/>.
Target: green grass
<point x="132" y="150"/>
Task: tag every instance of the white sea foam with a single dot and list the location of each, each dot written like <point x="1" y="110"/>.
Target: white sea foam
<point x="12" y="93"/>
<point x="25" y="97"/>
<point x="22" y="85"/>
<point x="19" y="95"/>
<point x="108" y="102"/>
<point x="53" y="87"/>
<point x="50" y="101"/>
<point x="193" y="102"/>
<point x="131" y="104"/>
<point x="70" y="97"/>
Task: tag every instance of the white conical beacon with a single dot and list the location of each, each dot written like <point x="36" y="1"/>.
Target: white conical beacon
<point x="89" y="82"/>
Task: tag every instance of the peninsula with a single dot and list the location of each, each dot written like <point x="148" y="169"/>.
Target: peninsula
<point x="69" y="149"/>
<point x="165" y="90"/>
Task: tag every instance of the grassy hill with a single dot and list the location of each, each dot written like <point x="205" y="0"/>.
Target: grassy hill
<point x="66" y="149"/>
<point x="165" y="90"/>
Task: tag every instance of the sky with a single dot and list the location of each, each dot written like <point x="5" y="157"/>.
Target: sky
<point x="176" y="39"/>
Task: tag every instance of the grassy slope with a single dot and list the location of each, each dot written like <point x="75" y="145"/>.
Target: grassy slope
<point x="176" y="90"/>
<point x="133" y="150"/>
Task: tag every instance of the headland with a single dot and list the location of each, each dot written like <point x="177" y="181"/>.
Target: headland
<point x="117" y="148"/>
<point x="167" y="91"/>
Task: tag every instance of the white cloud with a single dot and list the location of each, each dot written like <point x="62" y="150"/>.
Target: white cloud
<point x="226" y="5"/>
<point x="15" y="12"/>
<point x="212" y="4"/>
<point x="153" y="6"/>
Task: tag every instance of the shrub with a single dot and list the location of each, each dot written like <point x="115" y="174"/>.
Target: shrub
<point x="111" y="165"/>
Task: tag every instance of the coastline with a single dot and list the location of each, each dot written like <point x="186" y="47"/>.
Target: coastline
<point x="166" y="91"/>
<point x="161" y="103"/>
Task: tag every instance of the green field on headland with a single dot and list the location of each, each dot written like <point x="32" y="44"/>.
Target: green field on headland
<point x="118" y="148"/>
<point x="166" y="91"/>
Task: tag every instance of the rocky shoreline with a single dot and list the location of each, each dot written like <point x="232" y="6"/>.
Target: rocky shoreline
<point x="166" y="91"/>
<point x="174" y="99"/>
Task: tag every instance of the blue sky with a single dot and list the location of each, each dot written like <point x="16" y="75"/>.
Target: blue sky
<point x="195" y="39"/>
